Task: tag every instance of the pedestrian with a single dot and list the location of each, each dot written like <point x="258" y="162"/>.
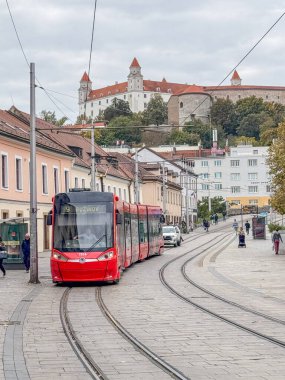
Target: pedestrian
<point x="206" y="225"/>
<point x="2" y="256"/>
<point x="224" y="215"/>
<point x="235" y="226"/>
<point x="276" y="237"/>
<point x="26" y="252"/>
<point x="247" y="227"/>
<point x="216" y="218"/>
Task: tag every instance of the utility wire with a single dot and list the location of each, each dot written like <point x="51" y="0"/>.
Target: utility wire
<point x="244" y="57"/>
<point x="92" y="36"/>
<point x="26" y="59"/>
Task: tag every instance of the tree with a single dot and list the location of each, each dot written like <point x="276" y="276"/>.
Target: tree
<point x="183" y="137"/>
<point x="248" y="106"/>
<point x="223" y="114"/>
<point x="118" y="107"/>
<point x="203" y="130"/>
<point x="50" y="117"/>
<point x="82" y="118"/>
<point x="156" y="111"/>
<point x="124" y="128"/>
<point x="276" y="161"/>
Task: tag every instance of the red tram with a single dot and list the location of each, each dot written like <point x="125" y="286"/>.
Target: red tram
<point x="95" y="236"/>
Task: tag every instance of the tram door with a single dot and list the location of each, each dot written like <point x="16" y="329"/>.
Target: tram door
<point x="127" y="234"/>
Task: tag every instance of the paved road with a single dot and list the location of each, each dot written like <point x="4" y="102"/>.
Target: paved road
<point x="33" y="344"/>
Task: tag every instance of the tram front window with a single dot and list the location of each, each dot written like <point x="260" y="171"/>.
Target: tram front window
<point x="81" y="227"/>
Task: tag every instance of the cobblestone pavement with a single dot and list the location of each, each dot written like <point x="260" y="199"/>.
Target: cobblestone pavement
<point x="33" y="345"/>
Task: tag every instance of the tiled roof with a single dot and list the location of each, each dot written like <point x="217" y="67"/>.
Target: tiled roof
<point x="148" y="85"/>
<point x="18" y="127"/>
<point x="243" y="87"/>
<point x="235" y="75"/>
<point x="85" y="78"/>
<point x="135" y="63"/>
<point x="191" y="89"/>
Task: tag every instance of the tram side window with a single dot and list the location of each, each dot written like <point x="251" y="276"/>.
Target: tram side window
<point x="134" y="229"/>
<point x="141" y="230"/>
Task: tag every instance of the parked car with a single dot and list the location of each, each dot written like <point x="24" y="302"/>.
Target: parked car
<point x="171" y="235"/>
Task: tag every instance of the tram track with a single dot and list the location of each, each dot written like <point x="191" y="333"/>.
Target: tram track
<point x="219" y="316"/>
<point x="83" y="355"/>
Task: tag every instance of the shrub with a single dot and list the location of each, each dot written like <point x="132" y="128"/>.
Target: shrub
<point x="273" y="226"/>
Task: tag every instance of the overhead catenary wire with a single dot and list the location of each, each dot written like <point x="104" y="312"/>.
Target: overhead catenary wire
<point x="236" y="66"/>
<point x="27" y="61"/>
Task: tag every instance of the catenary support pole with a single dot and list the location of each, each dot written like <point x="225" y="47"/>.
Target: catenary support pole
<point x="93" y="162"/>
<point x="137" y="190"/>
<point x="164" y="195"/>
<point x="187" y="202"/>
<point x="34" y="276"/>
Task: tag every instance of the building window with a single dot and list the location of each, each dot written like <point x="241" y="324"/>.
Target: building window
<point x="120" y="193"/>
<point x="92" y="113"/>
<point x="76" y="184"/>
<point x="204" y="163"/>
<point x="205" y="187"/>
<point x="19" y="174"/>
<point x="44" y="179"/>
<point x="252" y="176"/>
<point x="109" y="189"/>
<point x="125" y="97"/>
<point x="145" y="105"/>
<point x="218" y="175"/>
<point x="235" y="189"/>
<point x="5" y="214"/>
<point x="218" y="186"/>
<point x="252" y="189"/>
<point x="55" y="180"/>
<point x="114" y="190"/>
<point x="255" y="151"/>
<point x="144" y="95"/>
<point x="19" y="214"/>
<point x="268" y="188"/>
<point x="252" y="162"/>
<point x="158" y="89"/>
<point x="107" y="101"/>
<point x="235" y="176"/>
<point x="83" y="183"/>
<point x="218" y="163"/>
<point x="253" y="201"/>
<point x="125" y="194"/>
<point x="92" y="104"/>
<point x="205" y="175"/>
<point x="66" y="181"/>
<point x="181" y="104"/>
<point x="234" y="163"/>
<point x="4" y="171"/>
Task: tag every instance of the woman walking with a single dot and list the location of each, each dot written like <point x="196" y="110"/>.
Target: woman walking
<point x="2" y="256"/>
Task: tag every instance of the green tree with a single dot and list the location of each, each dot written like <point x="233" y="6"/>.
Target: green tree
<point x="276" y="161"/>
<point x="248" y="106"/>
<point x="124" y="128"/>
<point x="203" y="130"/>
<point x="82" y="118"/>
<point x="156" y="111"/>
<point x="118" y="107"/>
<point x="183" y="137"/>
<point x="223" y="114"/>
<point x="50" y="117"/>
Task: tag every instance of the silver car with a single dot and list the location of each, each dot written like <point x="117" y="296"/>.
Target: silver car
<point x="171" y="235"/>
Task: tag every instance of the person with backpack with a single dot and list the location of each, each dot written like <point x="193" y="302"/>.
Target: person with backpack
<point x="2" y="256"/>
<point x="276" y="237"/>
<point x="247" y="227"/>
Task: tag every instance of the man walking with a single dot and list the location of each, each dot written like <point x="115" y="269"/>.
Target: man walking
<point x="276" y="237"/>
<point x="26" y="252"/>
<point x="247" y="227"/>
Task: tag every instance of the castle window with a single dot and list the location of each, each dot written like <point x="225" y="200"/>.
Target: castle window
<point x="158" y="89"/>
<point x="169" y="90"/>
<point x="144" y="95"/>
<point x="99" y="102"/>
<point x="92" y="104"/>
<point x="239" y="96"/>
<point x="181" y="104"/>
<point x="266" y="96"/>
<point x="145" y="105"/>
<point x="124" y="96"/>
<point x="91" y="113"/>
<point x="109" y="92"/>
<point x="228" y="97"/>
<point x="107" y="100"/>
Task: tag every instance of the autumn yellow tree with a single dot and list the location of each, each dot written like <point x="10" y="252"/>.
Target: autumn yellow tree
<point x="276" y="163"/>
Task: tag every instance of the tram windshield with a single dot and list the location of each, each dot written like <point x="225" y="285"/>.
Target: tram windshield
<point x="80" y="227"/>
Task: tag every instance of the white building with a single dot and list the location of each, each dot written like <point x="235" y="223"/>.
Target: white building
<point x="241" y="177"/>
<point x="136" y="90"/>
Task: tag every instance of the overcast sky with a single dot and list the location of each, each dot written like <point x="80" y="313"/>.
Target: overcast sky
<point x="185" y="41"/>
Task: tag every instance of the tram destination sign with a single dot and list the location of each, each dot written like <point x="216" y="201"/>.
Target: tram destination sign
<point x="83" y="209"/>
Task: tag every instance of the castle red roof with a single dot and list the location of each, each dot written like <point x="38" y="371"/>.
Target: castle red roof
<point x="235" y="75"/>
<point x="135" y="63"/>
<point x="85" y="78"/>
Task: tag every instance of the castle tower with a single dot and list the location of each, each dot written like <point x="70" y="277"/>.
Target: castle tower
<point x="135" y="78"/>
<point x="235" y="80"/>
<point x="84" y="89"/>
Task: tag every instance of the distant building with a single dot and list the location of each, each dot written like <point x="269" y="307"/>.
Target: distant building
<point x="136" y="90"/>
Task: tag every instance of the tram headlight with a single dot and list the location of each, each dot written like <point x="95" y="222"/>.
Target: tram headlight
<point x="60" y="257"/>
<point x="106" y="256"/>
